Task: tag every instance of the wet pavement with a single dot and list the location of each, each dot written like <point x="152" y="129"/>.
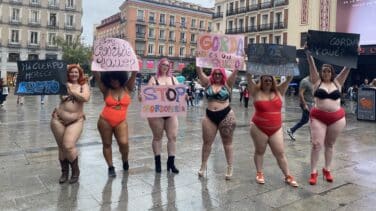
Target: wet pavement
<point x="29" y="168"/>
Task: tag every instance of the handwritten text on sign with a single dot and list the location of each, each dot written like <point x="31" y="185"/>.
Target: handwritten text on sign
<point x="215" y="51"/>
<point x="113" y="54"/>
<point x="41" y="77"/>
<point x="162" y="101"/>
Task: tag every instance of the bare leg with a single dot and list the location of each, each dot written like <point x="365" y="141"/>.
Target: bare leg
<point x="226" y="130"/>
<point x="171" y="127"/>
<point x="156" y="126"/>
<point x="277" y="147"/>
<point x="71" y="136"/>
<point x="58" y="130"/>
<point x="330" y="138"/>
<point x="209" y="130"/>
<point x="260" y="141"/>
<point x="318" y="131"/>
<point x="121" y="135"/>
<point x="105" y="131"/>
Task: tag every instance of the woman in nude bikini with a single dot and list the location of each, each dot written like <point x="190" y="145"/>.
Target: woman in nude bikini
<point x="68" y="120"/>
<point x="266" y="124"/>
<point x="219" y="115"/>
<point x="168" y="123"/>
<point x="327" y="116"/>
<point x="116" y="89"/>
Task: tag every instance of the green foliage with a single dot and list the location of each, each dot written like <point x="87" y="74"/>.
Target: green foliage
<point x="75" y="52"/>
<point x="189" y="72"/>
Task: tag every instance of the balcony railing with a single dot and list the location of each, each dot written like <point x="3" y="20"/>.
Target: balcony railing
<point x="35" y="4"/>
<point x="15" y="21"/>
<point x="280" y="2"/>
<point x="162" y="22"/>
<point x="172" y="24"/>
<point x="236" y="11"/>
<point x="251" y="28"/>
<point x="52" y="25"/>
<point x="217" y="15"/>
<point x="279" y="25"/>
<point x="69" y="27"/>
<point x="52" y="47"/>
<point x="18" y="2"/>
<point x="70" y="7"/>
<point x="140" y="35"/>
<point x="34" y="22"/>
<point x="53" y="6"/>
<point x="235" y="30"/>
<point x="12" y="44"/>
<point x="265" y="5"/>
<point x="253" y="7"/>
<point x="33" y="46"/>
<point x="264" y="27"/>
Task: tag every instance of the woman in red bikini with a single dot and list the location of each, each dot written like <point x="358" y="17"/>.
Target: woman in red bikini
<point x="327" y="116"/>
<point x="219" y="115"/>
<point x="168" y="123"/>
<point x="116" y="88"/>
<point x="266" y="124"/>
<point x="68" y="120"/>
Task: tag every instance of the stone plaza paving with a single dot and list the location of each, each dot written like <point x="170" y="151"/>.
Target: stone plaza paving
<point x="29" y="168"/>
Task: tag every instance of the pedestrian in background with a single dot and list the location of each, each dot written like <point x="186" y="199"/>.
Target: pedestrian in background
<point x="3" y="92"/>
<point x="168" y="123"/>
<point x="306" y="103"/>
<point x="246" y="97"/>
<point x="219" y="115"/>
<point x="266" y="124"/>
<point x="116" y="89"/>
<point x="68" y="120"/>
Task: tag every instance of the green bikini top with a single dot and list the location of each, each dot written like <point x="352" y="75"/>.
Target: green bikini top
<point x="222" y="95"/>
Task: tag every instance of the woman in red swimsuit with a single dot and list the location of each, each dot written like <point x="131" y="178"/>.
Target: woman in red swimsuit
<point x="327" y="116"/>
<point x="116" y="88"/>
<point x="68" y="120"/>
<point x="266" y="124"/>
<point x="168" y="123"/>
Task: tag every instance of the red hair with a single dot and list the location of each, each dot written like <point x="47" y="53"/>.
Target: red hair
<point x="159" y="71"/>
<point x="81" y="79"/>
<point x="223" y="72"/>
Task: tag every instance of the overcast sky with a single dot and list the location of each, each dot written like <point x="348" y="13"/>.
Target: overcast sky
<point x="95" y="11"/>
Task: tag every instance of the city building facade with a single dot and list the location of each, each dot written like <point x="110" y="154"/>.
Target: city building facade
<point x="29" y="30"/>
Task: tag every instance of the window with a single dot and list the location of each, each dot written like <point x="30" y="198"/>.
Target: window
<point x="151" y="33"/>
<point x="201" y="24"/>
<point x="53" y="21"/>
<point x="182" y="19"/>
<point x="218" y="26"/>
<point x="140" y="29"/>
<point x="69" y="38"/>
<point x="51" y="39"/>
<point x="264" y="19"/>
<point x="69" y="19"/>
<point x="161" y="34"/>
<point x="251" y="40"/>
<point x="160" y="50"/>
<point x="51" y="56"/>
<point x="193" y="38"/>
<point x="15" y="14"/>
<point x="193" y="52"/>
<point x="162" y="19"/>
<point x="170" y="50"/>
<point x="35" y="1"/>
<point x="152" y="17"/>
<point x="252" y="22"/>
<point x="34" y="16"/>
<point x="34" y="38"/>
<point x="181" y="51"/>
<point x="172" y="20"/>
<point x="182" y="36"/>
<point x="53" y="3"/>
<point x="263" y="39"/>
<point x="140" y="15"/>
<point x="69" y="4"/>
<point x="171" y="35"/>
<point x="15" y="36"/>
<point x="277" y="39"/>
<point x="150" y="48"/>
<point x="193" y="23"/>
<point x="140" y="48"/>
<point x="230" y="24"/>
<point x="209" y="26"/>
<point x="13" y="57"/>
<point x="303" y="38"/>
<point x="32" y="57"/>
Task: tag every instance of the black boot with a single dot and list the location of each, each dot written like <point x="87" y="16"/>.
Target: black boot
<point x="171" y="165"/>
<point x="125" y="165"/>
<point x="64" y="171"/>
<point x="75" y="171"/>
<point x="158" y="167"/>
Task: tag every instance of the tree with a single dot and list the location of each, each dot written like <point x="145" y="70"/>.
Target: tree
<point x="76" y="52"/>
<point x="189" y="72"/>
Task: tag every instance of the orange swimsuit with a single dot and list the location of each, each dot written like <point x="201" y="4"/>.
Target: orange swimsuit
<point x="268" y="117"/>
<point x="115" y="111"/>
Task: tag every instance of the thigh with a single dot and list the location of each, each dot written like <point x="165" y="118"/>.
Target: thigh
<point x="227" y="126"/>
<point x="276" y="142"/>
<point x="260" y="140"/>
<point x="209" y="130"/>
<point x="334" y="130"/>
<point x="318" y="131"/>
<point x="105" y="130"/>
<point x="72" y="133"/>
<point x="121" y="133"/>
<point x="156" y="125"/>
<point x="171" y="126"/>
<point x="57" y="129"/>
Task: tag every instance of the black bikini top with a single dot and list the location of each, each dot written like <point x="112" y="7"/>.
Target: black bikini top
<point x="157" y="82"/>
<point x="323" y="94"/>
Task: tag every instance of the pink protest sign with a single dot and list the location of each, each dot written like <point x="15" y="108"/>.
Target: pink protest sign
<point x="215" y="50"/>
<point x="163" y="100"/>
<point x="113" y="54"/>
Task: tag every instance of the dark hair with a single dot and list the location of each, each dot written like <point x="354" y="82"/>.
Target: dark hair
<point x="120" y="76"/>
<point x="332" y="71"/>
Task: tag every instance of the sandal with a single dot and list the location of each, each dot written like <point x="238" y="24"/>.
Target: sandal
<point x="260" y="178"/>
<point x="290" y="180"/>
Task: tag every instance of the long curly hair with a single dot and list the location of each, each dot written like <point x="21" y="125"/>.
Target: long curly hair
<point x="223" y="72"/>
<point x="159" y="71"/>
<point x="81" y="79"/>
<point x="120" y="76"/>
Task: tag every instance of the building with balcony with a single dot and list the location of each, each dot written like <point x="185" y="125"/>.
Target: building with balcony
<point x="109" y="27"/>
<point x="160" y="28"/>
<point x="29" y="28"/>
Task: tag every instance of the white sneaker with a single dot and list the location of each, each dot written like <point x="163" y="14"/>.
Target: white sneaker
<point x="292" y="137"/>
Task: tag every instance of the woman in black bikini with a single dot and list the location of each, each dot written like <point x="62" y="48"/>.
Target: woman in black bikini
<point x="219" y="115"/>
<point x="167" y="123"/>
<point x="68" y="120"/>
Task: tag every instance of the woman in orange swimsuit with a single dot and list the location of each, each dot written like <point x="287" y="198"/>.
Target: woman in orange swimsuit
<point x="68" y="120"/>
<point x="327" y="116"/>
<point x="168" y="123"/>
<point x="266" y="124"/>
<point x="116" y="88"/>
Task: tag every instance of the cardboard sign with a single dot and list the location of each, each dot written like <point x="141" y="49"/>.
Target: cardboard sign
<point x="214" y="51"/>
<point x="334" y="48"/>
<point x="41" y="77"/>
<point x="113" y="54"/>
<point x="272" y="59"/>
<point x="163" y="100"/>
<point x="366" y="104"/>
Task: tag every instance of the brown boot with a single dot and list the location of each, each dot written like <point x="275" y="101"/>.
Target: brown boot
<point x="75" y="171"/>
<point x="64" y="171"/>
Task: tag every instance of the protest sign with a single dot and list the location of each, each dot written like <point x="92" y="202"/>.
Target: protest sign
<point x="113" y="54"/>
<point x="41" y="77"/>
<point x="334" y="48"/>
<point x="272" y="59"/>
<point x="163" y="100"/>
<point x="214" y="51"/>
